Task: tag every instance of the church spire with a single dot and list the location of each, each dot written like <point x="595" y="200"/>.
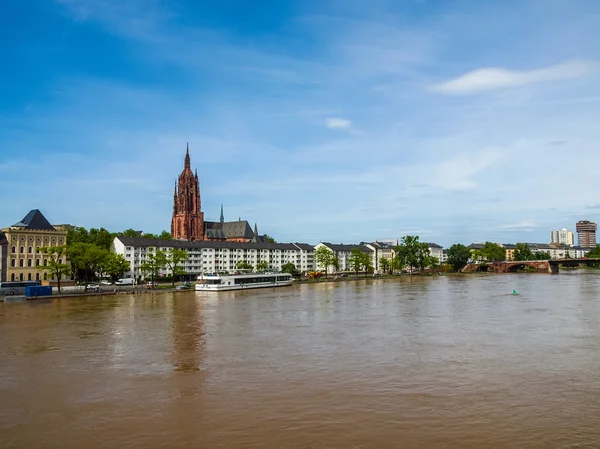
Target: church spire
<point x="222" y="219"/>
<point x="187" y="156"/>
<point x="255" y="230"/>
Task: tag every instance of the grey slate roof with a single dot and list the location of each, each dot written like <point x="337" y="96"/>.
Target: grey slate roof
<point x="433" y="245"/>
<point x="185" y="244"/>
<point x="305" y="246"/>
<point x="342" y="247"/>
<point x="230" y="229"/>
<point x="35" y="220"/>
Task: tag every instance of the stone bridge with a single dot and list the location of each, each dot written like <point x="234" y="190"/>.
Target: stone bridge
<point x="540" y="266"/>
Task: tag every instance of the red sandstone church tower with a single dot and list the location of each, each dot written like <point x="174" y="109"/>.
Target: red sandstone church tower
<point x="188" y="220"/>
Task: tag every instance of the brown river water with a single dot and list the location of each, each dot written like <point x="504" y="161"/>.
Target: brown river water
<point x="441" y="362"/>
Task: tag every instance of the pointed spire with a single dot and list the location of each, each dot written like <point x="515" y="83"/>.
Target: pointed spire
<point x="187" y="156"/>
<point x="222" y="220"/>
<point x="175" y="191"/>
<point x="196" y="173"/>
<point x="255" y="230"/>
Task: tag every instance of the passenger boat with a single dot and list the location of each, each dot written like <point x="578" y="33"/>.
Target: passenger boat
<point x="241" y="281"/>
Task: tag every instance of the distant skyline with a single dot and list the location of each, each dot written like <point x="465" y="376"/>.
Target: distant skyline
<point x="323" y="120"/>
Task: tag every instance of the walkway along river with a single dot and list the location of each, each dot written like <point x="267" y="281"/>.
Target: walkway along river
<point x="436" y="362"/>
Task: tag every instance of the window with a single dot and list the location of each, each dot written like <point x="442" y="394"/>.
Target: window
<point x="45" y="262"/>
<point x="30" y="250"/>
<point x="29" y="276"/>
<point x="37" y="262"/>
<point x="12" y="277"/>
<point x="59" y="260"/>
<point x="37" y="276"/>
<point x="29" y="263"/>
<point x="22" y="249"/>
<point x="21" y="264"/>
<point x="14" y="249"/>
<point x="45" y="276"/>
<point x="13" y="262"/>
<point x="21" y="277"/>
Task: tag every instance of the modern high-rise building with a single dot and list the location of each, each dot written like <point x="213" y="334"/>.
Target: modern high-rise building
<point x="562" y="237"/>
<point x="586" y="233"/>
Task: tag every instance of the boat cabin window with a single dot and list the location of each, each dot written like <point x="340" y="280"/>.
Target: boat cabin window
<point x="213" y="281"/>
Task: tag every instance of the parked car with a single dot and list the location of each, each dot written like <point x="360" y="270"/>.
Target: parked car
<point x="93" y="287"/>
<point x="183" y="287"/>
<point x="124" y="281"/>
<point x="105" y="282"/>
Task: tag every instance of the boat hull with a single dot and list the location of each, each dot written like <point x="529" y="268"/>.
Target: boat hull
<point x="221" y="287"/>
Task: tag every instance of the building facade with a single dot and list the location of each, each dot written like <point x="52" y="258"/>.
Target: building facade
<point x="213" y="256"/>
<point x="381" y="250"/>
<point x="586" y="233"/>
<point x="343" y="253"/>
<point x="21" y="243"/>
<point x="562" y="237"/>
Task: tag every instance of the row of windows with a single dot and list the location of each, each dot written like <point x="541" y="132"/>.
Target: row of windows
<point x="13" y="277"/>
<point x="22" y="250"/>
<point x="38" y="239"/>
<point x="13" y="262"/>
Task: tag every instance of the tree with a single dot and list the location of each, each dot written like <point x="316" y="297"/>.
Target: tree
<point x="86" y="258"/>
<point x="55" y="264"/>
<point x="324" y="257"/>
<point x="244" y="265"/>
<point x="542" y="255"/>
<point x="165" y="235"/>
<point x="290" y="268"/>
<point x="262" y="265"/>
<point x="458" y="256"/>
<point x="594" y="254"/>
<point x="174" y="258"/>
<point x="411" y="252"/>
<point x="129" y="233"/>
<point x="385" y="264"/>
<point x="493" y="252"/>
<point x="115" y="265"/>
<point x="522" y="252"/>
<point x="367" y="262"/>
<point x="356" y="260"/>
<point x="269" y="239"/>
<point x="100" y="237"/>
<point x="154" y="263"/>
<point x="78" y="235"/>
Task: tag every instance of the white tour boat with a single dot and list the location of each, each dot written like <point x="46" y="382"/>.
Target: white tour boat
<point x="217" y="282"/>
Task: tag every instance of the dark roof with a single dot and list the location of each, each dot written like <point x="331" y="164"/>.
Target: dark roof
<point x="433" y="245"/>
<point x="145" y="242"/>
<point x="381" y="245"/>
<point x="231" y="229"/>
<point x="305" y="246"/>
<point x="509" y="246"/>
<point x="342" y="247"/>
<point x="35" y="220"/>
<point x="475" y="246"/>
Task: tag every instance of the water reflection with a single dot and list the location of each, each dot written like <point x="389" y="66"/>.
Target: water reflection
<point x="188" y="333"/>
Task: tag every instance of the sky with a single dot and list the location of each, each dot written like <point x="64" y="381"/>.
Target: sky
<point x="320" y="120"/>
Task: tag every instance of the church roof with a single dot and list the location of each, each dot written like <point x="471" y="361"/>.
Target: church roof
<point x="35" y="220"/>
<point x="231" y="229"/>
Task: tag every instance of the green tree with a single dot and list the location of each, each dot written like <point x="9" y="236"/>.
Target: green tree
<point x="458" y="256"/>
<point x="153" y="264"/>
<point x="173" y="261"/>
<point x="385" y="264"/>
<point x="165" y="235"/>
<point x="493" y="252"/>
<point x="325" y="257"/>
<point x="594" y="254"/>
<point x="115" y="265"/>
<point x="356" y="260"/>
<point x="262" y="265"/>
<point x="290" y="268"/>
<point x="244" y="265"/>
<point x="129" y="233"/>
<point x="269" y="239"/>
<point x="78" y="235"/>
<point x="100" y="237"/>
<point x="522" y="252"/>
<point x="542" y="255"/>
<point x="55" y="262"/>
<point x="86" y="258"/>
<point x="411" y="252"/>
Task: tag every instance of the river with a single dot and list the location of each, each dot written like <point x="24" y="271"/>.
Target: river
<point x="440" y="362"/>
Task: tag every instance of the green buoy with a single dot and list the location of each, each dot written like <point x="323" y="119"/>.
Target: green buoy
<point x="515" y="293"/>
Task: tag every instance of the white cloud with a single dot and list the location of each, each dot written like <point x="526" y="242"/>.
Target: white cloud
<point x="338" y="123"/>
<point x="493" y="78"/>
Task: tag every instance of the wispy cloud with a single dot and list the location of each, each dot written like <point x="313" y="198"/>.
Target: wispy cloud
<point x="337" y="123"/>
<point x="493" y="78"/>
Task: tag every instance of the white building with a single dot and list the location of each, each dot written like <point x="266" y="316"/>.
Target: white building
<point x="562" y="237"/>
<point x="437" y="251"/>
<point x="381" y="250"/>
<point x="343" y="252"/>
<point x="213" y="256"/>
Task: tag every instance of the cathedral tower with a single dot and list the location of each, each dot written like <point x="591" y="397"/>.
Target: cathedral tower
<point x="188" y="219"/>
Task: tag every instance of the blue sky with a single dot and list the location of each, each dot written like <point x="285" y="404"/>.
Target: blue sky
<point x="329" y="120"/>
